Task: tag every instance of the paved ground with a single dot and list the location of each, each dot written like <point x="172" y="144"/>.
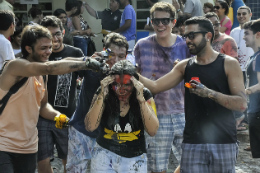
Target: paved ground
<point x="245" y="163"/>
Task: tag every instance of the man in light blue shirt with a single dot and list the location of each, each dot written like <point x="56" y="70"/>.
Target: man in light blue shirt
<point x="128" y="23"/>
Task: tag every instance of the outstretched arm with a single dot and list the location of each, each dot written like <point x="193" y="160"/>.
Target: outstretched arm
<point x="90" y="10"/>
<point x="168" y="81"/>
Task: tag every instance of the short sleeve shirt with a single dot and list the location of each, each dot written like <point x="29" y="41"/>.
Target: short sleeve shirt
<point x="129" y="14"/>
<point x="62" y="88"/>
<point x="226" y="45"/>
<point x="156" y="61"/>
<point x="193" y="7"/>
<point x="109" y="21"/>
<point x="6" y="50"/>
<point x="252" y="69"/>
<point x="123" y="135"/>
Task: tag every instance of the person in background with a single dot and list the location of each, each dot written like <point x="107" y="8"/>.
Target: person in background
<point x="7" y="29"/>
<point x="7" y="5"/>
<point x="180" y="22"/>
<point x="192" y="7"/>
<point x="156" y="55"/>
<point x="175" y="30"/>
<point x="110" y="18"/>
<point x="222" y="9"/>
<point x="16" y="41"/>
<point x="222" y="43"/>
<point x="235" y="5"/>
<point x="244" y="15"/>
<point x="82" y="38"/>
<point x="252" y="39"/>
<point x="62" y="15"/>
<point x="61" y="96"/>
<point x="36" y="15"/>
<point x="128" y="23"/>
<point x="208" y="7"/>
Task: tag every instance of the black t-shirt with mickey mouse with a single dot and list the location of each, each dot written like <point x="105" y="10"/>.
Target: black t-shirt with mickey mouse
<point x="122" y="136"/>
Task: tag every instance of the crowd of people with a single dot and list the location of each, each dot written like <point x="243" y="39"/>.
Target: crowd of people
<point x="187" y="88"/>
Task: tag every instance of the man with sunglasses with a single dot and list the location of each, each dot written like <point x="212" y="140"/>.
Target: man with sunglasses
<point x="216" y="89"/>
<point x="62" y="97"/>
<point x="156" y="56"/>
<point x="243" y="15"/>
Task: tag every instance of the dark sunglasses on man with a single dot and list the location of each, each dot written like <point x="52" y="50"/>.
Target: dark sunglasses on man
<point x="164" y="21"/>
<point x="217" y="7"/>
<point x="191" y="35"/>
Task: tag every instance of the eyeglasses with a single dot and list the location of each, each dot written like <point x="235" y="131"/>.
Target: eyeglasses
<point x="217" y="7"/>
<point x="191" y="35"/>
<point x="216" y="24"/>
<point x="164" y="21"/>
<point x="57" y="35"/>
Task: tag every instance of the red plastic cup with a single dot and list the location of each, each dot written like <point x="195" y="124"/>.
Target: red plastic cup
<point x="196" y="79"/>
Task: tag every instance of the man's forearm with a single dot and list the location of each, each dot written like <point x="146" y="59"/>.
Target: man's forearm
<point x="232" y="102"/>
<point x="122" y="28"/>
<point x="48" y="112"/>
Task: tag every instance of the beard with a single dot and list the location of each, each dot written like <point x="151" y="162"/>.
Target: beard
<point x="197" y="49"/>
<point x="37" y="57"/>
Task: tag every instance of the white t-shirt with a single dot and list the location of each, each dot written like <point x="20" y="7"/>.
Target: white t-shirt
<point x="16" y="51"/>
<point x="6" y="50"/>
<point x="243" y="52"/>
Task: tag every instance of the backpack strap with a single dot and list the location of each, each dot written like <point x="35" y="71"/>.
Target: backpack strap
<point x="12" y="90"/>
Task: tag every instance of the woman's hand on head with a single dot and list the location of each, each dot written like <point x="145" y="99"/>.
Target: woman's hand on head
<point x="139" y="89"/>
<point x="105" y="82"/>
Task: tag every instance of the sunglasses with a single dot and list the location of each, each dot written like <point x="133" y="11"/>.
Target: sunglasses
<point x="164" y="21"/>
<point x="217" y="7"/>
<point x="191" y="35"/>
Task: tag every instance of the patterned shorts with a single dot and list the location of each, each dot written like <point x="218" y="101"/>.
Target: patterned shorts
<point x="79" y="152"/>
<point x="48" y="136"/>
<point x="210" y="158"/>
<point x="169" y="136"/>
<point x="105" y="161"/>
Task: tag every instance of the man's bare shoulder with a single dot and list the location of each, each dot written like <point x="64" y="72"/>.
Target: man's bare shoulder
<point x="182" y="65"/>
<point x="231" y="65"/>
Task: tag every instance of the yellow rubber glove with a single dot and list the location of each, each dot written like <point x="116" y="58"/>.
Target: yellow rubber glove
<point x="61" y="121"/>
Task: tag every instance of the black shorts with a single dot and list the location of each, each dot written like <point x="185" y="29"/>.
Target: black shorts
<point x="254" y="133"/>
<point x="15" y="162"/>
<point x="48" y="136"/>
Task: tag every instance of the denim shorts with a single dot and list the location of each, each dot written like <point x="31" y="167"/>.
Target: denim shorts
<point x="81" y="43"/>
<point x="209" y="158"/>
<point x="79" y="151"/>
<point x="105" y="161"/>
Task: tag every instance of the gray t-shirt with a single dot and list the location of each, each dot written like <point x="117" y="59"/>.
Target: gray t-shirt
<point x="193" y="7"/>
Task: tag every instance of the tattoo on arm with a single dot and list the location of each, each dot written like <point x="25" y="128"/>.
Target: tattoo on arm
<point x="213" y="96"/>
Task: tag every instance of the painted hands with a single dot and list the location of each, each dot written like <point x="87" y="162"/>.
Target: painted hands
<point x="61" y="121"/>
<point x="199" y="89"/>
<point x="104" y="84"/>
<point x="139" y="89"/>
<point x="99" y="66"/>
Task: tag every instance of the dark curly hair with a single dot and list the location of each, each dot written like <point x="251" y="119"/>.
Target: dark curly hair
<point x="116" y="39"/>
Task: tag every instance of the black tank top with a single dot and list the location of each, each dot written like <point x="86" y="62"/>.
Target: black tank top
<point x="206" y="120"/>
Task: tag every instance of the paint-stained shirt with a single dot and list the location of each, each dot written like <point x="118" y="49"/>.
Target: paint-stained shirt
<point x="154" y="62"/>
<point x="226" y="45"/>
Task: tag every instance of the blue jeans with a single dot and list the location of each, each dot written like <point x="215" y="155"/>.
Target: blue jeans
<point x="105" y="161"/>
<point x="81" y="43"/>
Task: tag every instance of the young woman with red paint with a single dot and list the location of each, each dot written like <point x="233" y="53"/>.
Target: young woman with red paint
<point x="124" y="109"/>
